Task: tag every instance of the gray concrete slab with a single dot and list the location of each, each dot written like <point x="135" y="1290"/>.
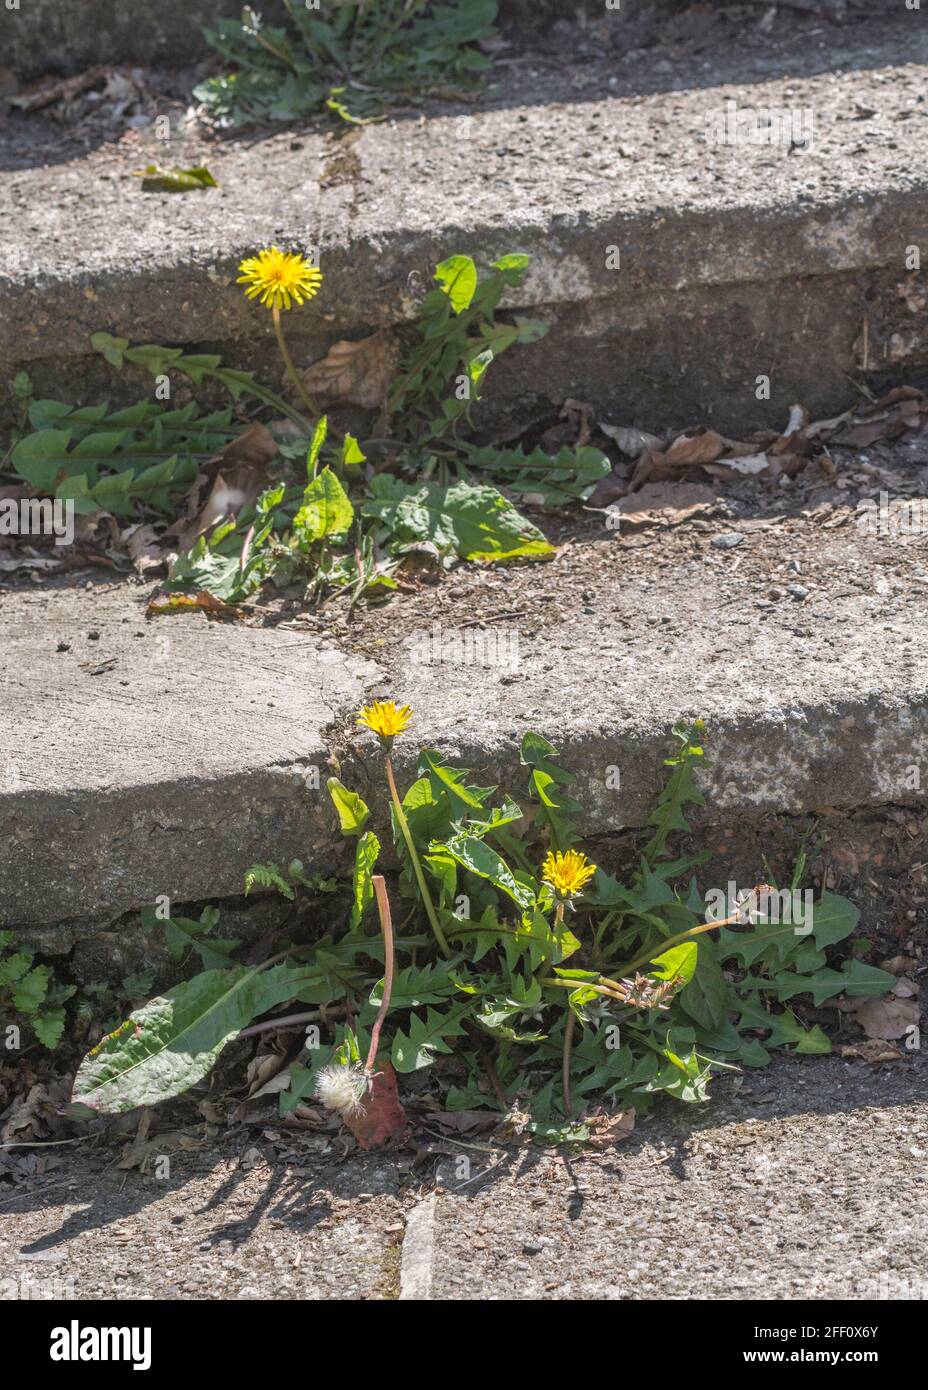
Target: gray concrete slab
<point x="734" y="260"/>
<point x="196" y="753"/>
<point x="807" y="1183"/>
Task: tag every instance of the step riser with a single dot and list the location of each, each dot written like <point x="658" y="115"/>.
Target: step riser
<point x="788" y="300"/>
<point x="73" y="855"/>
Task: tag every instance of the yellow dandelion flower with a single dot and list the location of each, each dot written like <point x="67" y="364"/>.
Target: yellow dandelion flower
<point x="275" y="277"/>
<point x="567" y="873"/>
<point x="385" y="718"/>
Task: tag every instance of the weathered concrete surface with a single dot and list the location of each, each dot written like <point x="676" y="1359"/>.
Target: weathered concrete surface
<point x="807" y="1183"/>
<point x="735" y="261"/>
<point x="164" y="775"/>
<point x="804" y="1181"/>
<point x="226" y="1221"/>
<point x="188" y="761"/>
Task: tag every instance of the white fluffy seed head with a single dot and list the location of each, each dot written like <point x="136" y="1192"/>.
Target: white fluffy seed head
<point x="342" y="1089"/>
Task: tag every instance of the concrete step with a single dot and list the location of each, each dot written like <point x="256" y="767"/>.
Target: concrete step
<point x="734" y="260"/>
<point x="203" y="748"/>
<point x="804" y="1183"/>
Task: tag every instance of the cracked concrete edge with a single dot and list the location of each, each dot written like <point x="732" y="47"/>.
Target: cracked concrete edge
<point x="83" y="854"/>
<point x="417" y="1264"/>
<point x="792" y="264"/>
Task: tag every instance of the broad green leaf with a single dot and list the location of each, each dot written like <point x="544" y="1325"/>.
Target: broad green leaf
<point x="833" y="919"/>
<point x="458" y="278"/>
<point x="319" y="437"/>
<point x="113" y="349"/>
<point x="426" y="1038"/>
<point x="326" y="510"/>
<point x="351" y="452"/>
<point x="677" y="963"/>
<point x="173" y="1041"/>
<point x="481" y="859"/>
<point x="706" y="998"/>
<point x="365" y="858"/>
<point x="353" y="813"/>
<point x="471" y="520"/>
<point x="865" y="981"/>
<point x="451" y="779"/>
<point x="41" y="458"/>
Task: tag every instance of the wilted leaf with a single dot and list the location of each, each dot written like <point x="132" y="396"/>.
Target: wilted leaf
<point x="889" y="1017"/>
<point x="354" y="373"/>
<point x="606" y="1130"/>
<point x="185" y="603"/>
<point x="383" y="1117"/>
<point x="630" y="441"/>
<point x="158" y="180"/>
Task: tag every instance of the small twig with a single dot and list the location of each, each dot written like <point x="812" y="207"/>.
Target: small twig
<point x="314" y="1016"/>
<point x="45" y="1143"/>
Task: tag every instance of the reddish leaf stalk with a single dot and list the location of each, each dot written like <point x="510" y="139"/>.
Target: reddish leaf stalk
<point x="386" y="923"/>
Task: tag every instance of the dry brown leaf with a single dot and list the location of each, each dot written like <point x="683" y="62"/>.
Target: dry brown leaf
<point x="354" y="373"/>
<point x="872" y="1051"/>
<point x="142" y="544"/>
<point x="606" y="1130"/>
<point x="896" y="965"/>
<point x="746" y="465"/>
<point x="631" y="441"/>
<point x="666" y="504"/>
<point x="889" y="1017"/>
<point x="696" y="448"/>
<point x="13" y="560"/>
<point x="241" y="475"/>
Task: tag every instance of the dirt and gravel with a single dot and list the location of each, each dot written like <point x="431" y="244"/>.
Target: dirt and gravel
<point x="804" y="1181"/>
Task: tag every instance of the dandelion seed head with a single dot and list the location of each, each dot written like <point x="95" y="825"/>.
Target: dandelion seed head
<point x="342" y="1088"/>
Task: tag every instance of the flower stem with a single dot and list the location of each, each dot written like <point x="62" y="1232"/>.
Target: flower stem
<point x="568" y="1050"/>
<point x="417" y="867"/>
<point x="653" y="953"/>
<point x="288" y="363"/>
<point x="386" y="923"/>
